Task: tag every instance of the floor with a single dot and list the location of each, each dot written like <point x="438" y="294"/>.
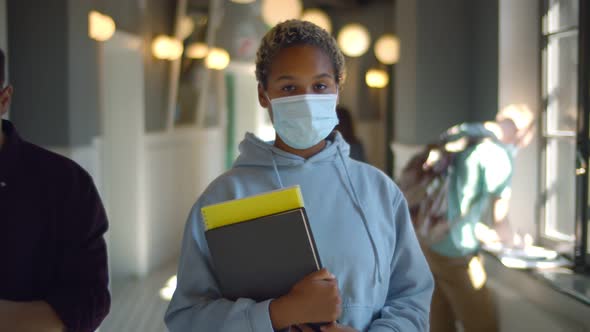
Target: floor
<point x="137" y="304"/>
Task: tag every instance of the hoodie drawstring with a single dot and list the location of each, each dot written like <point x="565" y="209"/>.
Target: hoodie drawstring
<point x="274" y="164"/>
<point x="377" y="269"/>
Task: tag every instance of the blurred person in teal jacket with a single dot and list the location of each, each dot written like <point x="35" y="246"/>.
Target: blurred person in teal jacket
<point x="478" y="187"/>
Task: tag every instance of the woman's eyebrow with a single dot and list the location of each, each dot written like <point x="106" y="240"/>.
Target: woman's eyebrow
<point x="284" y="78"/>
<point x="289" y="77"/>
<point x="324" y="75"/>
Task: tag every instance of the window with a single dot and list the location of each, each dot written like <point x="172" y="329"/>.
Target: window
<point x="582" y="244"/>
<point x="564" y="182"/>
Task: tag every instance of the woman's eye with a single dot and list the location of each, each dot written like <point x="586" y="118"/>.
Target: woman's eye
<point x="288" y="88"/>
<point x="321" y="86"/>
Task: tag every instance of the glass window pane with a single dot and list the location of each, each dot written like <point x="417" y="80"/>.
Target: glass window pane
<point x="216" y="106"/>
<point x="562" y="82"/>
<point x="192" y="29"/>
<point x="588" y="203"/>
<point x="561" y="14"/>
<point x="560" y="189"/>
<point x="189" y="86"/>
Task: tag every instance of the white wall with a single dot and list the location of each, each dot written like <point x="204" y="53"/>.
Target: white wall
<point x="249" y="116"/>
<point x="122" y="157"/>
<point x="149" y="181"/>
<point x="179" y="166"/>
<point x="519" y="79"/>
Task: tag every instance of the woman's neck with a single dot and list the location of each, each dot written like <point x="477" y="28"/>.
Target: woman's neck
<point x="305" y="153"/>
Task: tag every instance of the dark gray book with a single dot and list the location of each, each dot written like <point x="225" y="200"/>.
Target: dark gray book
<point x="264" y="257"/>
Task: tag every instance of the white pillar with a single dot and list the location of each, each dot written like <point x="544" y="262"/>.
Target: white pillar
<point x="404" y="94"/>
<point x="123" y="154"/>
<point x="519" y="81"/>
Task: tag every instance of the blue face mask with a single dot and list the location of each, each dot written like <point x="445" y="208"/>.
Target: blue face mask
<point x="303" y="121"/>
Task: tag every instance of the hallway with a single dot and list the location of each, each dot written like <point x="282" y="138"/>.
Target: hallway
<point x="137" y="304"/>
<point x="153" y="99"/>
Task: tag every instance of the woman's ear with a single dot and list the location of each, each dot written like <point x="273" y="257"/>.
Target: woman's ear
<point x="262" y="99"/>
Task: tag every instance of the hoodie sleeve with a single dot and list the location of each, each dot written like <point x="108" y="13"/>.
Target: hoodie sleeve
<point x="197" y="304"/>
<point x="407" y="306"/>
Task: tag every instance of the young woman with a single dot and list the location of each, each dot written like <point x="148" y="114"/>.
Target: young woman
<point x="375" y="276"/>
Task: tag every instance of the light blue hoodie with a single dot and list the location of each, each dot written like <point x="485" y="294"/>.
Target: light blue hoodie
<point x="361" y="226"/>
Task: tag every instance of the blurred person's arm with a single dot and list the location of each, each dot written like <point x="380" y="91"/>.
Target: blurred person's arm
<point x="37" y="316"/>
<point x="500" y="230"/>
<point x="78" y="292"/>
<point x="500" y="218"/>
<point x="497" y="175"/>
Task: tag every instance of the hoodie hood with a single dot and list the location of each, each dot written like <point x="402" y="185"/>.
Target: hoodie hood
<point x="256" y="152"/>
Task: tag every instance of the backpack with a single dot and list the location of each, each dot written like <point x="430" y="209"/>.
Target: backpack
<point x="424" y="181"/>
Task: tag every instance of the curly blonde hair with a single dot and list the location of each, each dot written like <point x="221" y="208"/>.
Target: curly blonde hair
<point x="296" y="32"/>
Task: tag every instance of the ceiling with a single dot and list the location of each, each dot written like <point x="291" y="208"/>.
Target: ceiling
<point x="307" y="3"/>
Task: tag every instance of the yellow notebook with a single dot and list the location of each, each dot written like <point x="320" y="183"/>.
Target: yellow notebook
<point x="251" y="207"/>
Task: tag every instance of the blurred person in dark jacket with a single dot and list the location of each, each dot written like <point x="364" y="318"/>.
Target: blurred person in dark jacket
<point x="54" y="260"/>
<point x="346" y="128"/>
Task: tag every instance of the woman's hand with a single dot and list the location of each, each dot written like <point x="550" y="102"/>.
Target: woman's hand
<point x="313" y="299"/>
<point x="318" y="297"/>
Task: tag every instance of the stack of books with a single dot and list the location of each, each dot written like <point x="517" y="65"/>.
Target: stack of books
<point x="260" y="245"/>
